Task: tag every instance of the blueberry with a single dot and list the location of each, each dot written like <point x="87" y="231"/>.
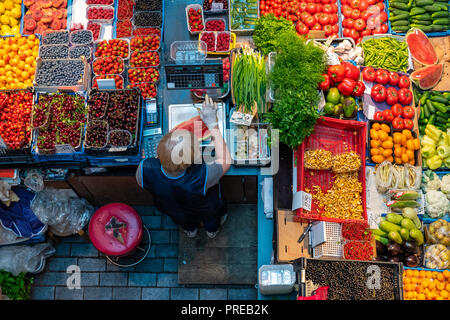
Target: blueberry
<point x="57" y="73"/>
<point x="59" y="37"/>
<point x="81" y="37"/>
<point x="78" y="51"/>
<point x="147" y="19"/>
<point x="147" y="5"/>
<point x="54" y="52"/>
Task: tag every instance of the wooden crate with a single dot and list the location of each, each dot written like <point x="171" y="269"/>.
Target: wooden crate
<point x="288" y="232"/>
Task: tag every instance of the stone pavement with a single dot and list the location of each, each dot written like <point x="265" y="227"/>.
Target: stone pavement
<point x="155" y="278"/>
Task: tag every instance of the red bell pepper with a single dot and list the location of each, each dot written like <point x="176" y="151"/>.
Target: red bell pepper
<point x="351" y="71"/>
<point x="347" y="86"/>
<point x="337" y="72"/>
<point x="359" y="89"/>
<point x="325" y="85"/>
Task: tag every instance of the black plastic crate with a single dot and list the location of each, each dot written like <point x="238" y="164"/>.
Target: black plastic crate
<point x="358" y="285"/>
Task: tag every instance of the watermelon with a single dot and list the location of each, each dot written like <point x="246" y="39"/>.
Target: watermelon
<point x="427" y="77"/>
<point x="196" y="126"/>
<point x="420" y="47"/>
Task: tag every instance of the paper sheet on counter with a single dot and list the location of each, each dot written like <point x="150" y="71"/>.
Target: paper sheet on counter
<point x="375" y="201"/>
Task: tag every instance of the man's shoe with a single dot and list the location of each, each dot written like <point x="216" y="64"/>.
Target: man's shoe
<point x="191" y="234"/>
<point x="212" y="235"/>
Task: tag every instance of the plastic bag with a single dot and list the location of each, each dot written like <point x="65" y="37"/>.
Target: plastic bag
<point x="21" y="258"/>
<point x="398" y="177"/>
<point x="413" y="176"/>
<point x="7" y="236"/>
<point x="383" y="176"/>
<point x="438" y="232"/>
<point x="437" y="257"/>
<point x="62" y="211"/>
<point x="34" y="181"/>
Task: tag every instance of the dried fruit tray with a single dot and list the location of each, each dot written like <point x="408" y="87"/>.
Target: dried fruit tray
<point x="337" y="136"/>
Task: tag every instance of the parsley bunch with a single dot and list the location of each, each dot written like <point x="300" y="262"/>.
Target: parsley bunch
<point x="267" y="30"/>
<point x="15" y="287"/>
<point x="296" y="73"/>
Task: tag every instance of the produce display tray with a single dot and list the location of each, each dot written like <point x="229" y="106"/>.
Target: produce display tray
<point x="337" y="136"/>
<point x="240" y="31"/>
<point x="355" y="283"/>
<point x="429" y="34"/>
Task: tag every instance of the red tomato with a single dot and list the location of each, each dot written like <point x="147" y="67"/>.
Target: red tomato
<point x="355" y="14"/>
<point x="310" y="21"/>
<point x="335" y="7"/>
<point x="350" y="23"/>
<point x="328" y="30"/>
<point x="384" y="28"/>
<point x="403" y="82"/>
<point x="383" y="17"/>
<point x="324" y="19"/>
<point x="408" y="124"/>
<point x="393" y="78"/>
<point x="369" y="74"/>
<point x="380" y="5"/>
<point x="365" y="15"/>
<point x="301" y="28"/>
<point x="303" y="6"/>
<point x="347" y="12"/>
<point x="346" y="32"/>
<point x="382" y="76"/>
<point x="317" y="26"/>
<point x="366" y="32"/>
<point x="378" y="116"/>
<point x="360" y="24"/>
<point x="354" y="34"/>
<point x="334" y="18"/>
<point x="378" y="93"/>
<point x="304" y="16"/>
<point x="408" y="112"/>
<point x="354" y="4"/>
<point x="397" y="110"/>
<point x="363" y="5"/>
<point x="391" y="96"/>
<point x="388" y="115"/>
<point x="317" y="16"/>
<point x="319" y="7"/>
<point x="311" y="8"/>
<point x="371" y="2"/>
<point x="377" y="30"/>
<point x="404" y="96"/>
<point x="327" y="8"/>
<point x="398" y="123"/>
<point x="335" y="28"/>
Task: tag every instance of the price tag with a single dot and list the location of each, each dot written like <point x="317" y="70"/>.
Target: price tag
<point x="241" y="118"/>
<point x="368" y="87"/>
<point x="370" y="111"/>
<point x="217" y="6"/>
<point x="321" y="101"/>
<point x="117" y="149"/>
<point x="303" y="200"/>
<point x="106" y="84"/>
<point x="64" y="148"/>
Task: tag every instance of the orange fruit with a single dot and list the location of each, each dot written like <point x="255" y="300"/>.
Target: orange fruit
<point x="387" y="153"/>
<point x="374" y="152"/>
<point x="404" y="139"/>
<point x="405" y="157"/>
<point x="444" y="294"/>
<point x="374" y="134"/>
<point x="406" y="280"/>
<point x="410" y="154"/>
<point x="446" y="274"/>
<point x="397" y="138"/>
<point x="385" y="128"/>
<point x="390" y="159"/>
<point x="376" y="126"/>
<point x="414" y="280"/>
<point x="425" y="282"/>
<point x="378" y="159"/>
<point x="410" y="144"/>
<point x="420" y="296"/>
<point x="430" y="295"/>
<point x="432" y="285"/>
<point x="398" y="152"/>
<point x="447" y="287"/>
<point x="374" y="143"/>
<point x="440" y="286"/>
<point x="440" y="276"/>
<point x="409" y="273"/>
<point x="398" y="160"/>
<point x="412" y="162"/>
<point x="383" y="136"/>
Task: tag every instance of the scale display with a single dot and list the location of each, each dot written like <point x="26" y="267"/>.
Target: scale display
<point x="207" y="76"/>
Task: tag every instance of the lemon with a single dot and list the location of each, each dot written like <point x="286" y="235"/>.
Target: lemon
<point x="16" y="13"/>
<point x="4" y="19"/>
<point x="9" y="4"/>
<point x="13" y="22"/>
<point x="2" y="8"/>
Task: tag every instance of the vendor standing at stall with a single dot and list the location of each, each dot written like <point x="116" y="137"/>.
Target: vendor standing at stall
<point x="183" y="187"/>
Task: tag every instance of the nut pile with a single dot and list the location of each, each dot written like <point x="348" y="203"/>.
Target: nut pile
<point x="81" y="37"/>
<point x="343" y="199"/>
<point x="318" y="159"/>
<point x="54" y="73"/>
<point x="60" y="37"/>
<point x="79" y="51"/>
<point x="347" y="280"/>
<point x="54" y="52"/>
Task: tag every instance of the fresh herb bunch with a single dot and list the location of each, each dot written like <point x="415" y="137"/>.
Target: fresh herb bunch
<point x="267" y="30"/>
<point x="249" y="81"/>
<point x="15" y="287"/>
<point x="294" y="78"/>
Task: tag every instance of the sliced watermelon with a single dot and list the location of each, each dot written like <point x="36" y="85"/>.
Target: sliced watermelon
<point x="427" y="77"/>
<point x="196" y="126"/>
<point x="420" y="47"/>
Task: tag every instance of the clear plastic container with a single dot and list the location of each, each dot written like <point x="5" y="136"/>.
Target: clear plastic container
<point x="124" y="136"/>
<point x="104" y="125"/>
<point x="79" y="43"/>
<point x="138" y="53"/>
<point x="97" y="42"/>
<point x="212" y="19"/>
<point x="140" y="85"/>
<point x="104" y="21"/>
<point x="276" y="279"/>
<point x="47" y="41"/>
<point x="188" y="52"/>
<point x="144" y="39"/>
<point x="92" y="23"/>
<point x="229" y="41"/>
<point x="108" y="76"/>
<point x="139" y="13"/>
<point x="47" y="55"/>
<point x="144" y="31"/>
<point x="203" y="34"/>
<point x="102" y="113"/>
<point x="96" y="2"/>
<point x="195" y="7"/>
<point x="100" y="58"/>
<point x="141" y="69"/>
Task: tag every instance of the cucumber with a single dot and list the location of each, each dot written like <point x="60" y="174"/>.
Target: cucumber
<point x="439" y="27"/>
<point x="397" y="12"/>
<point x="425" y="16"/>
<point x="443" y="6"/>
<point x="445" y="21"/>
<point x="422" y="27"/>
<point x="422" y="22"/>
<point x="432" y="118"/>
<point x="432" y="8"/>
<point x="422" y="3"/>
<point x="440" y="14"/>
<point x="401" y="28"/>
<point x="441" y="120"/>
<point x="399" y="17"/>
<point x="439" y="99"/>
<point x="400" y="5"/>
<point x="426" y="112"/>
<point x="431" y="106"/>
<point x="439" y="106"/>
<point x="443" y="115"/>
<point x="400" y="23"/>
<point x="417" y="10"/>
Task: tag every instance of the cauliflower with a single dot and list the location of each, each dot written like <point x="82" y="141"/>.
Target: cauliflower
<point x="445" y="185"/>
<point x="437" y="204"/>
<point x="430" y="181"/>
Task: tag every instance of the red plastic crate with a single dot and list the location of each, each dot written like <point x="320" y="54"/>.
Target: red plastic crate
<point x="337" y="136"/>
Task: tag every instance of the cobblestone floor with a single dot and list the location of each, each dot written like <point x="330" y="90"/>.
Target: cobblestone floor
<point x="156" y="278"/>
